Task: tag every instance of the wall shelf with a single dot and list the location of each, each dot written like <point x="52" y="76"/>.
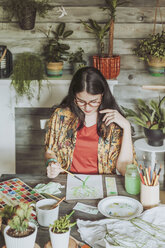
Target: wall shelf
<point x="153" y="87"/>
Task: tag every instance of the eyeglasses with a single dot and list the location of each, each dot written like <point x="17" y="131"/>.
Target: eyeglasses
<point x="91" y="103"/>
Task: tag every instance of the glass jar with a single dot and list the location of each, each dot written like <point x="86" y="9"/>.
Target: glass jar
<point x="132" y="180"/>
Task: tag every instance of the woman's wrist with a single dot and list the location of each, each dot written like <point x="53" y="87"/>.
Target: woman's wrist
<point x="127" y="126"/>
<point x="50" y="160"/>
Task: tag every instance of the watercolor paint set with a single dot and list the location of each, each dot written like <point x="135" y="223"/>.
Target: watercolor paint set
<point x="14" y="191"/>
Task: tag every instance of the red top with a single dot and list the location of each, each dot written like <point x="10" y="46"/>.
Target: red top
<point x="86" y="151"/>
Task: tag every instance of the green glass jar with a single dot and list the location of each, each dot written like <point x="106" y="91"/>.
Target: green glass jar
<point x="132" y="180"/>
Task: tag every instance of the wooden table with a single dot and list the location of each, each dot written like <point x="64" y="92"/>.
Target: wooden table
<point x="65" y="208"/>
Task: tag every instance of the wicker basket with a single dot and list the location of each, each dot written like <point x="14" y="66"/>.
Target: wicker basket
<point x="109" y="66"/>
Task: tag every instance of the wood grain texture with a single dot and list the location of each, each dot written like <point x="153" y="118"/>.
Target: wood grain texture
<point x="134" y="21"/>
<point x="75" y="13"/>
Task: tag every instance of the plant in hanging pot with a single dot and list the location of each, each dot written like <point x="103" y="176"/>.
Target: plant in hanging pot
<point x="76" y="59"/>
<point x="55" y="51"/>
<point x="25" y="11"/>
<point x="20" y="232"/>
<point x="152" y="50"/>
<point x="151" y="117"/>
<point x="60" y="231"/>
<point x="28" y="71"/>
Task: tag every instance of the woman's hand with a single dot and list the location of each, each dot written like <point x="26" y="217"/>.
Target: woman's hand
<point x="112" y="115"/>
<point x="53" y="170"/>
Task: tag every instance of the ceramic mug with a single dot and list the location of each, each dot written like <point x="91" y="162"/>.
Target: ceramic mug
<point x="149" y="196"/>
<point x="45" y="217"/>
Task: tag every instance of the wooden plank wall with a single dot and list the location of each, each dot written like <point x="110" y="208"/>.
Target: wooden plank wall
<point x="30" y="139"/>
<point x="134" y="20"/>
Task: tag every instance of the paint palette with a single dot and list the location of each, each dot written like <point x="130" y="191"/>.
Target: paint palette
<point x="14" y="191"/>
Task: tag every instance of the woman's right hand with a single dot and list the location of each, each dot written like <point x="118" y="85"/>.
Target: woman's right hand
<point x="53" y="170"/>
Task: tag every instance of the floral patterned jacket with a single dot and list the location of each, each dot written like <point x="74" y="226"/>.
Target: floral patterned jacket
<point x="61" y="136"/>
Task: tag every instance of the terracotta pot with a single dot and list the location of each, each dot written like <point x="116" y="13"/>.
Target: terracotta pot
<point x="156" y="66"/>
<point x="54" y="69"/>
<point x="109" y="66"/>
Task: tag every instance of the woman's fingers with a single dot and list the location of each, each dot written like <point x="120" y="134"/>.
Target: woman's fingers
<point x="112" y="115"/>
<point x="53" y="170"/>
<point x="109" y="116"/>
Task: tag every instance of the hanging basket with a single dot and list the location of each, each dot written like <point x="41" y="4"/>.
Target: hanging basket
<point x="109" y="66"/>
<point x="156" y="65"/>
<point x="27" y="22"/>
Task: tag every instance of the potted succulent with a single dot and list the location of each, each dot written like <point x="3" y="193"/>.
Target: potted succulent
<point x="6" y="214"/>
<point x="26" y="10"/>
<point x="151" y="117"/>
<point x="55" y="51"/>
<point x="28" y="68"/>
<point x="152" y="50"/>
<point x="20" y="232"/>
<point x="60" y="231"/>
<point x="76" y="59"/>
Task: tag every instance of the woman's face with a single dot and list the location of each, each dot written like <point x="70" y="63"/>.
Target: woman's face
<point x="88" y="103"/>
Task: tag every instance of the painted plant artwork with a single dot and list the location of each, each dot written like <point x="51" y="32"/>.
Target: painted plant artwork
<point x="91" y="188"/>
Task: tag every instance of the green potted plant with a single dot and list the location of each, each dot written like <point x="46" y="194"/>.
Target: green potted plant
<point x="5" y="214"/>
<point x="151" y="117"/>
<point x="55" y="51"/>
<point x="111" y="62"/>
<point x="108" y="64"/>
<point x="60" y="231"/>
<point x="25" y="11"/>
<point x="76" y="59"/>
<point x="152" y="50"/>
<point x="28" y="70"/>
<point x="20" y="232"/>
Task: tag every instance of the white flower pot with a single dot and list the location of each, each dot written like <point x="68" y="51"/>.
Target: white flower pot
<point x="23" y="242"/>
<point x="59" y="240"/>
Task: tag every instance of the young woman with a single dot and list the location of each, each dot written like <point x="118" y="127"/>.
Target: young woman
<point x="87" y="132"/>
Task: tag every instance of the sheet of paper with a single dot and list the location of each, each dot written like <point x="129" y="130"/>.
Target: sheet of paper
<point x="86" y="208"/>
<point x="110" y="183"/>
<point x="91" y="189"/>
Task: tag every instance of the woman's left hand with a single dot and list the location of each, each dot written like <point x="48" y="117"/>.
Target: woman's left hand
<point x="112" y="115"/>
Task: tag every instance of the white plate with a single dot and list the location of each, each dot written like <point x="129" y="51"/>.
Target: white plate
<point x="120" y="207"/>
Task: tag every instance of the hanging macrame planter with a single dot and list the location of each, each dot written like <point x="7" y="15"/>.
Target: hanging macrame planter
<point x="27" y="21"/>
<point x="156" y="65"/>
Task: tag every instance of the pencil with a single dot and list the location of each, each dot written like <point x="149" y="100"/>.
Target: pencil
<point x="147" y="175"/>
<point x="141" y="176"/>
<point x="153" y="177"/>
<point x="72" y="175"/>
<point x="157" y="176"/>
<point x="156" y="180"/>
<point x="144" y="178"/>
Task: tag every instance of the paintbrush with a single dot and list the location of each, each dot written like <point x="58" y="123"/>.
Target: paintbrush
<point x="56" y="204"/>
<point x="73" y="175"/>
<point x="53" y="196"/>
<point x="157" y="176"/>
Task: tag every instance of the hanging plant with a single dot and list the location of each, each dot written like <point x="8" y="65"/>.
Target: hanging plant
<point x="28" y="68"/>
<point x="25" y="11"/>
